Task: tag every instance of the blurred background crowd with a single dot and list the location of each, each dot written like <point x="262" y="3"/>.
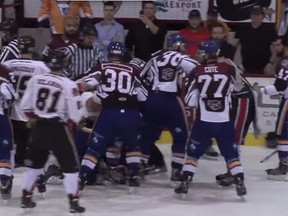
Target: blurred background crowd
<point x="255" y="46"/>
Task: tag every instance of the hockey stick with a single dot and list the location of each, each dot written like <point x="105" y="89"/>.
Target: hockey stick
<point x="269" y="156"/>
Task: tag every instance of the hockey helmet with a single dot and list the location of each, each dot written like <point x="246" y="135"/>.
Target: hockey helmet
<point x="56" y="60"/>
<point x="211" y="47"/>
<point x="116" y="48"/>
<point x="26" y="44"/>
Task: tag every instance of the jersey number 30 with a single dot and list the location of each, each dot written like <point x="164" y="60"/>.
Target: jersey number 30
<point x="117" y="81"/>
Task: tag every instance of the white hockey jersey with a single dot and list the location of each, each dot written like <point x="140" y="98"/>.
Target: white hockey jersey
<point x="50" y="96"/>
<point x="23" y="70"/>
<point x="7" y="95"/>
<point x="165" y="72"/>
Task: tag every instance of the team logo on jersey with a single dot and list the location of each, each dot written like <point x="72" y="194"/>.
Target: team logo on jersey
<point x="214" y="106"/>
<point x="167" y="75"/>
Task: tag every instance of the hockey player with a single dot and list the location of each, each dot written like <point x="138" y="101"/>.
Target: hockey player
<point x="23" y="69"/>
<point x="7" y="96"/>
<point x="211" y="86"/>
<point x="10" y="40"/>
<point x="53" y="103"/>
<point x="119" y="90"/>
<point x="280" y="87"/>
<point x="164" y="108"/>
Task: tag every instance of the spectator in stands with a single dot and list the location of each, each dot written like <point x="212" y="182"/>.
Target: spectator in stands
<point x="146" y="36"/>
<point x="255" y="39"/>
<point x="212" y="18"/>
<point x="195" y="33"/>
<point x="56" y="11"/>
<point x="218" y="33"/>
<point x="278" y="52"/>
<point x="109" y="29"/>
<point x="70" y="36"/>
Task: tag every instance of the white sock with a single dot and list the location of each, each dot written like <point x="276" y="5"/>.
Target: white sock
<point x="71" y="183"/>
<point x="30" y="178"/>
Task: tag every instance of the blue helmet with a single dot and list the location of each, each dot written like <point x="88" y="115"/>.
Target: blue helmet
<point x="210" y="47"/>
<point x="175" y="38"/>
<point x="116" y="48"/>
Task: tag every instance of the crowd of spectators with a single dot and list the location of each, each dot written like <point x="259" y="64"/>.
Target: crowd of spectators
<point x="261" y="48"/>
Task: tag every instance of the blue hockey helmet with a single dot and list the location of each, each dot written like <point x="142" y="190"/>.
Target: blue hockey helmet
<point x="116" y="48"/>
<point x="210" y="47"/>
<point x="175" y="38"/>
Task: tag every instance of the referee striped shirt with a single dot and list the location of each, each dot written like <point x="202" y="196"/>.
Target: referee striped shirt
<point x="81" y="59"/>
<point x="11" y="51"/>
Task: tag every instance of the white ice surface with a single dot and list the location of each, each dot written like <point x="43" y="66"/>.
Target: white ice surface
<point x="156" y="197"/>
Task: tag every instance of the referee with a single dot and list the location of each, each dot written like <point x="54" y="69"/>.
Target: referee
<point x="83" y="55"/>
<point x="9" y="31"/>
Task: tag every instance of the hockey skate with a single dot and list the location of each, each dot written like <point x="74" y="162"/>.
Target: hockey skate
<point x="225" y="179"/>
<point x="82" y="182"/>
<point x="278" y="174"/>
<point x="182" y="189"/>
<point x="134" y="183"/>
<point x="74" y="205"/>
<point x="117" y="175"/>
<point x="154" y="170"/>
<point x="6" y="187"/>
<point x="26" y="200"/>
<point x="41" y="185"/>
<point x="240" y="186"/>
<point x="53" y="173"/>
<point x="211" y="154"/>
<point x="175" y="174"/>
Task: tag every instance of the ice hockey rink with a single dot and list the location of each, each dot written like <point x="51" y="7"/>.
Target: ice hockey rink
<point x="156" y="197"/>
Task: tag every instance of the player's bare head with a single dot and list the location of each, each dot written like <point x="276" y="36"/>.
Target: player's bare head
<point x="116" y="51"/>
<point x="109" y="10"/>
<point x="27" y="46"/>
<point x="88" y="34"/>
<point x="257" y="15"/>
<point x="176" y="42"/>
<point x="149" y="9"/>
<point x="71" y="25"/>
<point x="217" y="32"/>
<point x="9" y="30"/>
<point x="208" y="51"/>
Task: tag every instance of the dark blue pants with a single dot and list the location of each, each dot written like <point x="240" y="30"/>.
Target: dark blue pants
<point x="6" y="146"/>
<point x="164" y="110"/>
<point x="112" y="123"/>
<point x="224" y="134"/>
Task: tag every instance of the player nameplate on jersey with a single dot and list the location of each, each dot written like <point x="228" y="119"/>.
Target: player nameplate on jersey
<point x="167" y="75"/>
<point x="215" y="105"/>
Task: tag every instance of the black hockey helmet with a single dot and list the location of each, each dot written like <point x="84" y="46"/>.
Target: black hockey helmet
<point x="26" y="44"/>
<point x="56" y="60"/>
<point x="9" y="25"/>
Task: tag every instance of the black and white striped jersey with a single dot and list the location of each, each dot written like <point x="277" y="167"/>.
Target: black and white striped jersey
<point x="81" y="59"/>
<point x="11" y="51"/>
